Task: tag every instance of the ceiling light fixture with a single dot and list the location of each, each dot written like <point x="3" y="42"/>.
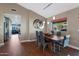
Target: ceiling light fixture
<point x="54" y="18"/>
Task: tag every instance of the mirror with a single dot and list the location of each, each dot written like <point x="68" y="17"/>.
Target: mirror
<point x="38" y="24"/>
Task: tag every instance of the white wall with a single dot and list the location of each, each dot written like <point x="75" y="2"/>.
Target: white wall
<point x="27" y="18"/>
<point x="32" y="17"/>
<point x="73" y="25"/>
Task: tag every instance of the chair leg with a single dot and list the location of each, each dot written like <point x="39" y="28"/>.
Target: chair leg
<point x="44" y="46"/>
<point x="51" y="46"/>
<point x="59" y="48"/>
<point x="54" y="47"/>
<point x="39" y="44"/>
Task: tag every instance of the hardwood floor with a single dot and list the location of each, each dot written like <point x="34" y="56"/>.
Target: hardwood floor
<point x="14" y="48"/>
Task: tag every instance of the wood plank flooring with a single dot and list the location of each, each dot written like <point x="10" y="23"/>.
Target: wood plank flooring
<point x="14" y="48"/>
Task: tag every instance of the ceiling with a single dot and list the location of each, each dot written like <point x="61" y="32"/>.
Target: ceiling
<point x="49" y="9"/>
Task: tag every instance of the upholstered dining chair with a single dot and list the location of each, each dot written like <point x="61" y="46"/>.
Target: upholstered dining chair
<point x="58" y="33"/>
<point x="38" y="39"/>
<point x="52" y="32"/>
<point x="44" y="43"/>
<point x="64" y="43"/>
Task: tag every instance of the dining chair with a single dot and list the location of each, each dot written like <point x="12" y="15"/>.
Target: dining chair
<point x="58" y="33"/>
<point x="66" y="42"/>
<point x="44" y="43"/>
<point x="38" y="39"/>
<point x="63" y="43"/>
<point x="52" y="32"/>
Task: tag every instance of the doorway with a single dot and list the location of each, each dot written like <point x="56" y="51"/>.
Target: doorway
<point x="12" y="26"/>
<point x="6" y="29"/>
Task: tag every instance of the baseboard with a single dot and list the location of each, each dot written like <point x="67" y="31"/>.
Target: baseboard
<point x="27" y="41"/>
<point x="1" y="44"/>
<point x="77" y="48"/>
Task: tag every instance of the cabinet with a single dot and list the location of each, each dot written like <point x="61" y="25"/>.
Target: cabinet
<point x="60" y="24"/>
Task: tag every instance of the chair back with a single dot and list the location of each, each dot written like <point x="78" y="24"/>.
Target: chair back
<point x="41" y="37"/>
<point x="66" y="40"/>
<point x="52" y="32"/>
<point x="37" y="36"/>
<point x="58" y="33"/>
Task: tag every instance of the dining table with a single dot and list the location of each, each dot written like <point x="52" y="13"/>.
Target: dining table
<point x="53" y="39"/>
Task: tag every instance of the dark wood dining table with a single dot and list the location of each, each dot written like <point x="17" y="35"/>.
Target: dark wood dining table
<point x="53" y="38"/>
